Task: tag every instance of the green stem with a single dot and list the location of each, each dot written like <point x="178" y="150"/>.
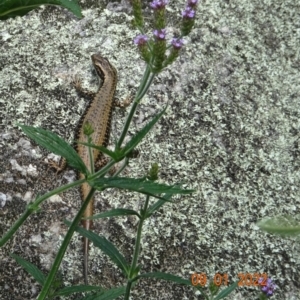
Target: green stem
<point x="124" y="165"/>
<point x="134" y="106"/>
<point x="136" y="253"/>
<point x="144" y="80"/>
<point x="146" y="88"/>
<point x="91" y="155"/>
<point x="102" y="171"/>
<point x="63" y="247"/>
<point x="128" y="288"/>
<point x="32" y="207"/>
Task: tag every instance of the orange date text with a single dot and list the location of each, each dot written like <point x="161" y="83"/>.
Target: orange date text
<point x="201" y="279"/>
<point x="256" y="279"/>
<point x="245" y="279"/>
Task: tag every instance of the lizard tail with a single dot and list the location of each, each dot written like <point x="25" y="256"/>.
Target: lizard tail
<point x="85" y="259"/>
<point x="87" y="224"/>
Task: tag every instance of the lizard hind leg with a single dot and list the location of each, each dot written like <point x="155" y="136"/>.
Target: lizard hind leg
<point x="60" y="166"/>
<point x="77" y="84"/>
<point x="124" y="103"/>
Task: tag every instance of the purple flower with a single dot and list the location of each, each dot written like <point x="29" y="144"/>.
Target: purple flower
<point x="140" y="40"/>
<point x="158" y="4"/>
<point x="160" y="34"/>
<point x="192" y="3"/>
<point x="269" y="287"/>
<point x="177" y="43"/>
<point x="188" y="13"/>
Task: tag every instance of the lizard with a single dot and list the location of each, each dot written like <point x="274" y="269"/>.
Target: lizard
<point x="98" y="114"/>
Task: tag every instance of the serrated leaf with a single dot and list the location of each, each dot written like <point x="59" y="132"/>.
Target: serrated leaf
<point x="14" y="8"/>
<point x="139" y="185"/>
<point x="169" y="277"/>
<point x="111" y="294"/>
<point x="157" y="205"/>
<point x="37" y="274"/>
<point x="117" y="156"/>
<point x="102" y="149"/>
<point x="55" y="144"/>
<point x="166" y="276"/>
<point x="284" y="226"/>
<point x="224" y="293"/>
<point x="142" y="133"/>
<point x="106" y="246"/>
<point x="114" y="213"/>
<point x="66" y="291"/>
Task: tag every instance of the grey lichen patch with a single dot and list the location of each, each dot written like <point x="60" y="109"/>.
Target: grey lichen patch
<point x="231" y="132"/>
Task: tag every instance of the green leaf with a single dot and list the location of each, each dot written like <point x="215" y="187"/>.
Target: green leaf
<point x="14" y="8"/>
<point x="121" y="153"/>
<point x="30" y="268"/>
<point x="55" y="144"/>
<point x="213" y="288"/>
<point x="136" y="271"/>
<point x="157" y="205"/>
<point x="170" y="277"/>
<point x="66" y="291"/>
<point x="102" y="149"/>
<point x="166" y="276"/>
<point x="106" y="246"/>
<point x="138" y="185"/>
<point x="141" y="134"/>
<point x="226" y="291"/>
<point x="284" y="226"/>
<point x="107" y="295"/>
<point x="114" y="213"/>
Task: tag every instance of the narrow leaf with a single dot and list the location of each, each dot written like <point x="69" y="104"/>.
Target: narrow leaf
<point x="138" y="185"/>
<point x="55" y="144"/>
<point x="117" y="156"/>
<point x="224" y="293"/>
<point x="166" y="276"/>
<point x="157" y="205"/>
<point x="14" y="8"/>
<point x="170" y="277"/>
<point x="106" y="246"/>
<point x="111" y="294"/>
<point x="114" y="213"/>
<point x="142" y="133"/>
<point x="66" y="291"/>
<point x="284" y="226"/>
<point x="101" y="149"/>
<point x="30" y="268"/>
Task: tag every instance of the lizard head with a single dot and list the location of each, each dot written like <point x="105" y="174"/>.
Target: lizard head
<point x="103" y="67"/>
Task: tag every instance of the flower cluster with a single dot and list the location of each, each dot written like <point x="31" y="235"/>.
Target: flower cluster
<point x="159" y="8"/>
<point x="188" y="16"/>
<point x="137" y="12"/>
<point x="154" y="51"/>
<point x="269" y="288"/>
<point x="141" y="41"/>
<point x="159" y="4"/>
<point x="160" y="34"/>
